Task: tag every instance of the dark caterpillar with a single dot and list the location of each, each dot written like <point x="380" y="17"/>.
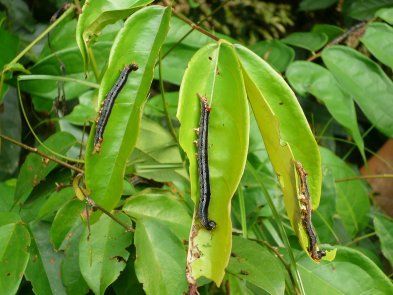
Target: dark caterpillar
<point x="203" y="166"/>
<point x="107" y="105"/>
<point x="306" y="212"/>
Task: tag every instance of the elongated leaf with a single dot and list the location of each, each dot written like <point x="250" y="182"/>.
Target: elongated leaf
<point x="386" y="14"/>
<point x="352" y="202"/>
<point x="103" y="255"/>
<point x="55" y="201"/>
<point x="329" y="30"/>
<point x="309" y="77"/>
<point x="276" y="53"/>
<point x="366" y="82"/>
<point x="97" y="14"/>
<point x="105" y="170"/>
<point x="162" y="207"/>
<point x="160" y="259"/>
<point x="384" y="229"/>
<point x="364" y="9"/>
<point x="14" y="255"/>
<point x="8" y="47"/>
<point x="34" y="169"/>
<point x="350" y="273"/>
<point x="307" y="40"/>
<point x="379" y="40"/>
<point x="307" y="5"/>
<point x="67" y="219"/>
<point x="214" y="72"/>
<point x="246" y="260"/>
<point x="43" y="269"/>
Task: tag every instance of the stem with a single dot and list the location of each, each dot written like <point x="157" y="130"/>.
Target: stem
<point x="43" y="34"/>
<point x="57" y="78"/>
<point x="192" y="28"/>
<point x="358" y="239"/>
<point x="277" y="218"/>
<point x="35" y="135"/>
<point x="113" y="217"/>
<point x="164" y="104"/>
<point x="242" y="211"/>
<point x="359" y="177"/>
<point x="93" y="63"/>
<point x="37" y="151"/>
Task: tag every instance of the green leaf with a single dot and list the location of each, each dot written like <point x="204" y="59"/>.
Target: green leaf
<point x="329" y="30"/>
<point x="384" y="229"/>
<point x="43" y="269"/>
<point x="105" y="170"/>
<point x="366" y="82"/>
<point x="81" y="115"/>
<point x="95" y="16"/>
<point x="11" y="126"/>
<point x="102" y="254"/>
<point x="154" y="108"/>
<point x="156" y="148"/>
<point x="307" y="40"/>
<point x="160" y="259"/>
<point x="287" y="137"/>
<point x="7" y="190"/>
<point x="67" y="219"/>
<point x="275" y="52"/>
<point x="386" y="14"/>
<point x="309" y="77"/>
<point x="350" y="273"/>
<point x="8" y="47"/>
<point x="378" y="38"/>
<point x="214" y="72"/>
<point x="246" y="260"/>
<point x="365" y="9"/>
<point x="307" y="5"/>
<point x="161" y="206"/>
<point x="34" y="169"/>
<point x="14" y="255"/>
<point x="70" y="272"/>
<point x="352" y="202"/>
<point x="55" y="201"/>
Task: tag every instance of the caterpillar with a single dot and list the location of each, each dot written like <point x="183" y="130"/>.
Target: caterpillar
<point x="203" y="165"/>
<point x="306" y="212"/>
<point x="107" y="105"/>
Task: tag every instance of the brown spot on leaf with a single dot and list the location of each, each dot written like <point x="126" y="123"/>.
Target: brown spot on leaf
<point x="244" y="272"/>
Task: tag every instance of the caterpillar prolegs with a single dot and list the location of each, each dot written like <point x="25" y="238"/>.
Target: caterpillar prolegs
<point x="306" y="212"/>
<point x="107" y="105"/>
<point x="203" y="165"/>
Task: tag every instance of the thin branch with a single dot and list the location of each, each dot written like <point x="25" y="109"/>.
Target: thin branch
<point x="193" y="25"/>
<point x="192" y="28"/>
<point x="352" y="30"/>
<point x="113" y="217"/>
<point x="37" y="151"/>
<point x="358" y="239"/>
<point x="360" y="177"/>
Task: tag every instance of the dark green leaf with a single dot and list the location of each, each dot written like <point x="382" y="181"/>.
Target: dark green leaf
<point x="352" y="202"/>
<point x="43" y="269"/>
<point x="384" y="229"/>
<point x="309" y="77"/>
<point x="81" y="115"/>
<point x="350" y="273"/>
<point x="214" y="71"/>
<point x="379" y="40"/>
<point x="386" y="14"/>
<point x="246" y="260"/>
<point x="14" y="255"/>
<point x="102" y="254"/>
<point x="55" y="201"/>
<point x="365" y="81"/>
<point x="162" y="207"/>
<point x="329" y="30"/>
<point x="154" y="108"/>
<point x="105" y="170"/>
<point x="308" y="5"/>
<point x="364" y="9"/>
<point x="67" y="219"/>
<point x="34" y="169"/>
<point x="307" y="40"/>
<point x="7" y="190"/>
<point x="160" y="259"/>
<point x="8" y="47"/>
<point x="276" y="53"/>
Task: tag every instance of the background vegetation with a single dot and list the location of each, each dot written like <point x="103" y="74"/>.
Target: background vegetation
<point x="336" y="55"/>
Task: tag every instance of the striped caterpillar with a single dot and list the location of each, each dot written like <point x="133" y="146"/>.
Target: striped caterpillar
<point x="107" y="105"/>
<point x="306" y="211"/>
<point x="203" y="165"/>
